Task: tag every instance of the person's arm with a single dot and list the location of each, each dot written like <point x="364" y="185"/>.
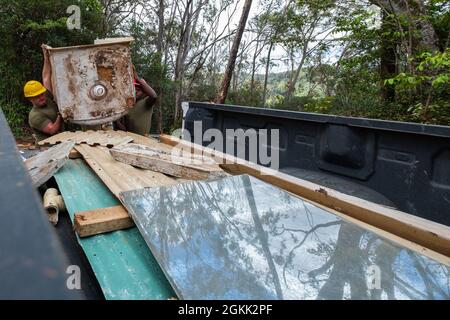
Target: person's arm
<point x="52" y="128"/>
<point x="47" y="69"/>
<point x="147" y="89"/>
<point x="145" y="86"/>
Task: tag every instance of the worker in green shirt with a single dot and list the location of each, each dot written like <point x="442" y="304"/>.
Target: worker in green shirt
<point x="44" y="118"/>
<point x="139" y="118"/>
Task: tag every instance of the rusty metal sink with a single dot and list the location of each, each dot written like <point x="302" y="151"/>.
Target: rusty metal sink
<point x="93" y="84"/>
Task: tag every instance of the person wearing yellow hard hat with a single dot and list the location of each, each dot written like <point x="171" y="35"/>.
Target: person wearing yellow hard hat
<point x="44" y="118"/>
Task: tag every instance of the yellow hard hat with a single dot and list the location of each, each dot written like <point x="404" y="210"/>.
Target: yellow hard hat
<point x="33" y="88"/>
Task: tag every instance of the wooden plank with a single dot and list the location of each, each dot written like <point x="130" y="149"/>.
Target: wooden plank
<point x="122" y="262"/>
<point x="119" y="176"/>
<point x="194" y="168"/>
<point x="106" y="138"/>
<point x="113" y="40"/>
<point x="74" y="154"/>
<point x="426" y="233"/>
<point x="147" y="141"/>
<point x="102" y="220"/>
<point x="44" y="165"/>
<point x="387" y="235"/>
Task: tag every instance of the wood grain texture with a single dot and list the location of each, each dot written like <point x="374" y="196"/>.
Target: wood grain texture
<point x="191" y="167"/>
<point x="105" y="138"/>
<point x="44" y="165"/>
<point x="426" y="233"/>
<point x="119" y="176"/>
<point x="74" y="154"/>
<point x="102" y="220"/>
<point x="147" y="141"/>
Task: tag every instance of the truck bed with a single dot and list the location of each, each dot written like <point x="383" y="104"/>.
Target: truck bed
<point x="402" y="165"/>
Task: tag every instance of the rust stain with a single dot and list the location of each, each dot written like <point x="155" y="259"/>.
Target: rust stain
<point x="101" y="113"/>
<point x="110" y="67"/>
<point x="68" y="113"/>
<point x="130" y="103"/>
<point x="69" y="65"/>
<point x="71" y="73"/>
<point x="322" y="191"/>
<point x="102" y="57"/>
<point x="105" y="74"/>
<point x="71" y="87"/>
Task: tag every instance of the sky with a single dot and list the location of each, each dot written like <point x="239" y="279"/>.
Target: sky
<point x="255" y="9"/>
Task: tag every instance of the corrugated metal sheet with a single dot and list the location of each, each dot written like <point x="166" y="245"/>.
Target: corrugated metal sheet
<point x="121" y="260"/>
<point x="93" y="84"/>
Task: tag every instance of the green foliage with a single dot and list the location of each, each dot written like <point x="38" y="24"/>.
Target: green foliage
<point x="431" y="68"/>
<point x="351" y="84"/>
<point x="439" y="15"/>
<point x="245" y="96"/>
<point x="25" y="26"/>
<point x="296" y="103"/>
<point x="16" y="115"/>
<point x="149" y="65"/>
<point x="427" y="90"/>
<point x="321" y="105"/>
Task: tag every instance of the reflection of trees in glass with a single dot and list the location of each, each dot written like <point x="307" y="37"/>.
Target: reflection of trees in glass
<point x="356" y="250"/>
<point x="262" y="236"/>
<point x="237" y="238"/>
<point x="193" y="215"/>
<point x="347" y="264"/>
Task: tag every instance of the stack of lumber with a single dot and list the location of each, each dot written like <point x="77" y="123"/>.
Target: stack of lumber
<point x="427" y="237"/>
<point x="173" y="164"/>
<point x="127" y="174"/>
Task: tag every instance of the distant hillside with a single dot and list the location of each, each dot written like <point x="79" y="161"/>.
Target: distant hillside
<point x="277" y="82"/>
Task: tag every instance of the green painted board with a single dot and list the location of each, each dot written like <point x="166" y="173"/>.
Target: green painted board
<point x="124" y="266"/>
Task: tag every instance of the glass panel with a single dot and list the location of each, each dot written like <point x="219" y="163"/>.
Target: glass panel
<point x="241" y="238"/>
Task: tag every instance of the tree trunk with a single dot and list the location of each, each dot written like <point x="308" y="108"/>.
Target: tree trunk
<point x="222" y="95"/>
<point x="255" y="55"/>
<point x="159" y="42"/>
<point x="266" y="75"/>
<point x="159" y="49"/>
<point x="425" y="38"/>
<point x="179" y="65"/>
<point x="419" y="36"/>
<point x="388" y="64"/>
<point x="293" y="83"/>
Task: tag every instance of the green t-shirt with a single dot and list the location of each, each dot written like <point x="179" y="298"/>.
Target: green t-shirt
<point x="139" y="118"/>
<point x="41" y="117"/>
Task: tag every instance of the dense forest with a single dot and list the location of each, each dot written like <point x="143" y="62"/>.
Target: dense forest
<point x="385" y="59"/>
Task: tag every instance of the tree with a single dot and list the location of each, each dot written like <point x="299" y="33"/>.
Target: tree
<point x="222" y="95"/>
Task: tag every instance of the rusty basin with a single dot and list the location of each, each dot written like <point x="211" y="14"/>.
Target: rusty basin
<point x="93" y="84"/>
